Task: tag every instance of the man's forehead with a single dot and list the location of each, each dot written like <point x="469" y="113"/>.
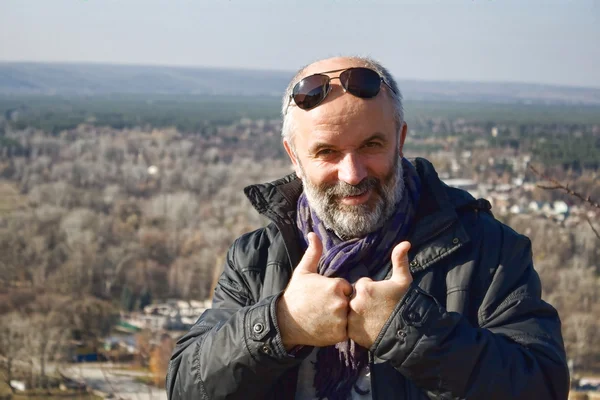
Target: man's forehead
<point x="330" y="64"/>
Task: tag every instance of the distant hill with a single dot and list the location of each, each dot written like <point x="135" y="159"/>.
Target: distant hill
<point x="100" y="79"/>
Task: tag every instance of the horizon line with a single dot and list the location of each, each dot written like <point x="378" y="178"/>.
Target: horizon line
<point x="127" y="64"/>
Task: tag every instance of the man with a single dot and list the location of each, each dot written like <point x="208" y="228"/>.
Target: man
<point x="374" y="280"/>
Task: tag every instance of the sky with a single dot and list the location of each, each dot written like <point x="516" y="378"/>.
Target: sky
<point x="535" y="41"/>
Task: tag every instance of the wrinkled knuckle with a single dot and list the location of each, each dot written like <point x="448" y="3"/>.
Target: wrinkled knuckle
<point x="364" y="288"/>
<point x="362" y="284"/>
<point x="340" y="303"/>
<point x="339" y="284"/>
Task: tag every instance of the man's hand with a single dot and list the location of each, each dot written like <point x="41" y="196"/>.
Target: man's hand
<point x="373" y="302"/>
<point x="313" y="310"/>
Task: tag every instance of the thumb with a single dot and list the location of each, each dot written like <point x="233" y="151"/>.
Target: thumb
<point x="310" y="260"/>
<point x="400" y="270"/>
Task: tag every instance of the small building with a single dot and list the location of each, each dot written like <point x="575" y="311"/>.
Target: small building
<point x="534" y="206"/>
<point x="560" y="207"/>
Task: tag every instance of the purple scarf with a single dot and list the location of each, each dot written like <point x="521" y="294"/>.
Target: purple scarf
<point x="338" y="367"/>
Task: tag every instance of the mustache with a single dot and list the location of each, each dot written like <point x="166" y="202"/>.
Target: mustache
<point x="343" y="189"/>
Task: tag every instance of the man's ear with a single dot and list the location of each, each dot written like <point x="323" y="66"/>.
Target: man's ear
<point x="292" y="154"/>
<point x="403" y="130"/>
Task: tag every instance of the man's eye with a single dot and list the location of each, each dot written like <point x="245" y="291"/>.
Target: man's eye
<point x="373" y="144"/>
<point x="324" y="152"/>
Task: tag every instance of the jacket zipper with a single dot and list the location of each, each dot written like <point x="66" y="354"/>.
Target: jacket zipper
<point x="372" y="375"/>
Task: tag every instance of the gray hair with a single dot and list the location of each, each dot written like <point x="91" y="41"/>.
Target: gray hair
<point x="288" y="123"/>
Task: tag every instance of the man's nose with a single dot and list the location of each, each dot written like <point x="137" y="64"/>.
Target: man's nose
<point x="351" y="169"/>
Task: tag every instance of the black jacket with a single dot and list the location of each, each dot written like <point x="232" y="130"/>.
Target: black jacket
<point x="472" y="325"/>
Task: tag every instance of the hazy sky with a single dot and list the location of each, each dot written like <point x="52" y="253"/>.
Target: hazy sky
<point x="540" y="41"/>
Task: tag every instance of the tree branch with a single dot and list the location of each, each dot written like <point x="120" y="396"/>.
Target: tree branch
<point x="560" y="186"/>
<point x="593" y="229"/>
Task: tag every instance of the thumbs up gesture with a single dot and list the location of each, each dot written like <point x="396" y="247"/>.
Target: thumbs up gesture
<point x="373" y="302"/>
<point x="313" y="309"/>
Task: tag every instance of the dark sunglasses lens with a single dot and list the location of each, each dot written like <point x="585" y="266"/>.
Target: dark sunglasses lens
<point x="361" y="82"/>
<point x="310" y="91"/>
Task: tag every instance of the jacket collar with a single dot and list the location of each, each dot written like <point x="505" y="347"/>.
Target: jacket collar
<point x="436" y="222"/>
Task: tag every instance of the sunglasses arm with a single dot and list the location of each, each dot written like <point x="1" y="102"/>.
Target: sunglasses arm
<point x="388" y="85"/>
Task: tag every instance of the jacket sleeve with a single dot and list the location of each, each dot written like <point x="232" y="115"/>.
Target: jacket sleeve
<point x="515" y="352"/>
<point x="234" y="351"/>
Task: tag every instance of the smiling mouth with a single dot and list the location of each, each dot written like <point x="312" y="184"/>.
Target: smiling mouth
<point x="356" y="199"/>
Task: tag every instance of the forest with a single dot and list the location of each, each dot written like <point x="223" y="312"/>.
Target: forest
<point x="108" y="206"/>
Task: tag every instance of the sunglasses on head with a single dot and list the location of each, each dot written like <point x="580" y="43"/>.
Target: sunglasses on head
<point x="361" y="82"/>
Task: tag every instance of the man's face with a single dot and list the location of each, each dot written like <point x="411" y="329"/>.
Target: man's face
<point x="349" y="219"/>
<point x="346" y="151"/>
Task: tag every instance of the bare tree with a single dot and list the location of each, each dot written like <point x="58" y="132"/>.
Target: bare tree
<point x="556" y="185"/>
<point x="13" y="331"/>
<point x="48" y="332"/>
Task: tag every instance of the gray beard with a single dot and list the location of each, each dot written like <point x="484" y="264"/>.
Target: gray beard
<point x="357" y="220"/>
